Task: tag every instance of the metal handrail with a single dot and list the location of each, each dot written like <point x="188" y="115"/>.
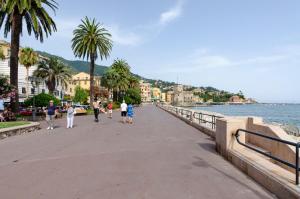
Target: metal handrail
<point x="201" y="120"/>
<point x="296" y="145"/>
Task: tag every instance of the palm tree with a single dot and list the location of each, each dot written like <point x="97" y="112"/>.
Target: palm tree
<point x="108" y="80"/>
<point x="91" y="41"/>
<point x="28" y="58"/>
<point x="122" y="68"/>
<point x="52" y="70"/>
<point x="38" y="21"/>
<point x="133" y="82"/>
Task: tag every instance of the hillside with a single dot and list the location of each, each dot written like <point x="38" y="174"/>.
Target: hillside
<point x="77" y="65"/>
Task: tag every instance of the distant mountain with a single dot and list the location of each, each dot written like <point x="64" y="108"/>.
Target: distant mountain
<point x="77" y="65"/>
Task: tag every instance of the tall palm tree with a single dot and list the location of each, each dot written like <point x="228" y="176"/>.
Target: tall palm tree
<point x="38" y="21"/>
<point x="28" y="58"/>
<point x="52" y="70"/>
<point x="91" y="41"/>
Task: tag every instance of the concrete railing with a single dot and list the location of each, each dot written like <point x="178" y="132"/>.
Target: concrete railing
<point x="227" y="145"/>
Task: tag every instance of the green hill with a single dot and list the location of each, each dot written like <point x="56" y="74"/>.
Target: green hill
<point x="77" y="65"/>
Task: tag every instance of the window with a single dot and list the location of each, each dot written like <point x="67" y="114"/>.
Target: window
<point x="32" y="90"/>
<point x="43" y="90"/>
<point x="23" y="90"/>
<point x="70" y="90"/>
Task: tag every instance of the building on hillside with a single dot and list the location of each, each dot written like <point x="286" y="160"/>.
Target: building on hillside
<point x="145" y="91"/>
<point x="163" y="97"/>
<point x="155" y="94"/>
<point x="82" y="80"/>
<point x="41" y="88"/>
<point x="198" y="90"/>
<point x="170" y="97"/>
<point x="235" y="99"/>
<point x="182" y="97"/>
<point x="197" y="99"/>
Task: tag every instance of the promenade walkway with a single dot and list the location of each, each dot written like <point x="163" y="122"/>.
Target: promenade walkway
<point x="158" y="157"/>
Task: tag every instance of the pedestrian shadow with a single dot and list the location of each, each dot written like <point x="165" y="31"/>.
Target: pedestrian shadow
<point x="199" y="162"/>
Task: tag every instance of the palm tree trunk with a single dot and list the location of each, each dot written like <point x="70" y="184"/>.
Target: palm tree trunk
<point x="14" y="57"/>
<point x="27" y="82"/>
<point x="92" y="67"/>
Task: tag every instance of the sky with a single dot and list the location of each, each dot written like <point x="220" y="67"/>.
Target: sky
<point x="250" y="45"/>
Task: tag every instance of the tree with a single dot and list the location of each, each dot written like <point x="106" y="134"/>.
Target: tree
<point x="41" y="100"/>
<point x="81" y="95"/>
<point x="109" y="78"/>
<point x="38" y="21"/>
<point x="133" y="96"/>
<point x="91" y="41"/>
<point x="28" y="58"/>
<point x="6" y="89"/>
<point x="133" y="82"/>
<point x="122" y="68"/>
<point x="52" y="70"/>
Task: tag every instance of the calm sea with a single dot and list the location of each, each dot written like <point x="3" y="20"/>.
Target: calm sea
<point x="278" y="113"/>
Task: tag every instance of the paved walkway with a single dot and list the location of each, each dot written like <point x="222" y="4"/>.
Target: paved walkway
<point x="158" y="157"/>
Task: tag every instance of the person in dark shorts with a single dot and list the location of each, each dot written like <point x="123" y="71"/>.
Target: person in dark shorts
<point x="124" y="111"/>
<point x="96" y="110"/>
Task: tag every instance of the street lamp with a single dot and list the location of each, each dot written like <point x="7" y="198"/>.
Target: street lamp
<point x="34" y="82"/>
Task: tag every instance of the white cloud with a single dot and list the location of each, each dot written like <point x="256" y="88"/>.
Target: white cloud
<point x="171" y="14"/>
<point x="125" y="38"/>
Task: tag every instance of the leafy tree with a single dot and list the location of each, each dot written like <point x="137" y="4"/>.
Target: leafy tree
<point x="81" y="95"/>
<point x="38" y="21"/>
<point x="52" y="70"/>
<point x="133" y="96"/>
<point x="28" y="58"/>
<point x="41" y="100"/>
<point x="91" y="41"/>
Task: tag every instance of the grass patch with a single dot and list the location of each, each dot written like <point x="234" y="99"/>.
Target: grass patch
<point x="12" y="124"/>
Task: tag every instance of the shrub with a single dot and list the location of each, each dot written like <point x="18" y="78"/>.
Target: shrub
<point x="41" y="100"/>
<point x="116" y="105"/>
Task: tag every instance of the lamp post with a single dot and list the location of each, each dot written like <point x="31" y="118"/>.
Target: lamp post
<point x="34" y="82"/>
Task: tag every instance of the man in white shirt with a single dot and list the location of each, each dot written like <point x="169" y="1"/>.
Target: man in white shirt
<point x="124" y="111"/>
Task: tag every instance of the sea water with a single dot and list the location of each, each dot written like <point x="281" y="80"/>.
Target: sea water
<point x="286" y="114"/>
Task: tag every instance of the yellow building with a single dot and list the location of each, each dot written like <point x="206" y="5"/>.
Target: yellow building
<point x="163" y="97"/>
<point x="156" y="94"/>
<point x="170" y="97"/>
<point x="82" y="80"/>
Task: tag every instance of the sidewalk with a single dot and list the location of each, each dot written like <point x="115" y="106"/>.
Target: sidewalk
<point x="158" y="157"/>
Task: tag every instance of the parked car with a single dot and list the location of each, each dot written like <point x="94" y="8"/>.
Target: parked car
<point x="79" y="110"/>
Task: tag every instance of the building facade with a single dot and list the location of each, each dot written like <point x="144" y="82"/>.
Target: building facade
<point x="82" y="80"/>
<point x="155" y="94"/>
<point x="145" y="91"/>
<point x="22" y="80"/>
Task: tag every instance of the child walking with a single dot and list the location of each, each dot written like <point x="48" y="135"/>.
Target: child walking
<point x="70" y="116"/>
<point x="130" y="113"/>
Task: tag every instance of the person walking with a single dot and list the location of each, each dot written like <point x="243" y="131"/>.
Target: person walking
<point x="123" y="111"/>
<point x="109" y="108"/>
<point x="130" y="113"/>
<point x="50" y="115"/>
<point x="70" y="116"/>
<point x="96" y="110"/>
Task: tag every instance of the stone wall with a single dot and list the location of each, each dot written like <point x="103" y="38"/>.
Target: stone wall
<point x="18" y="130"/>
